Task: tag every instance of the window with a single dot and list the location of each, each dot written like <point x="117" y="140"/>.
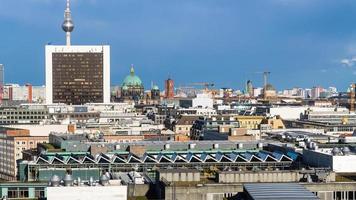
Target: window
<point x="12" y="193"/>
<point x="39" y="193"/>
<point x="23" y="192"/>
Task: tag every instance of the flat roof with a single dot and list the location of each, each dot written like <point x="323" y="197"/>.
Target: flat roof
<point x="267" y="191"/>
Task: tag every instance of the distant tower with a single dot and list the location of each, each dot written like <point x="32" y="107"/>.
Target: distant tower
<point x="29" y="92"/>
<point x="68" y="25"/>
<point x="1" y="82"/>
<point x="77" y="74"/>
<point x="169" y="88"/>
<point x="155" y="93"/>
<point x="352" y="97"/>
<point x="249" y="88"/>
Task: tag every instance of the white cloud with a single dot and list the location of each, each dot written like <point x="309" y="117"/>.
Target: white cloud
<point x="348" y="62"/>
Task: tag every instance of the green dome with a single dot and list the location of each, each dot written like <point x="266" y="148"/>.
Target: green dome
<point x="124" y="87"/>
<point x="155" y="87"/>
<point x="132" y="79"/>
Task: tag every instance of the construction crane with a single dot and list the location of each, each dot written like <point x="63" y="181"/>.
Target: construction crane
<point x="206" y="86"/>
<point x="191" y="90"/>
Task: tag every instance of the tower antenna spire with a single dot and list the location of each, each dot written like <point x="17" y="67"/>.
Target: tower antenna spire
<point x="68" y="24"/>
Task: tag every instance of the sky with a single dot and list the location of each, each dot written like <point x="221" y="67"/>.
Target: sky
<point x="303" y="43"/>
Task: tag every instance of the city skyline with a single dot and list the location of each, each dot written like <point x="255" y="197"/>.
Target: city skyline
<point x="301" y="43"/>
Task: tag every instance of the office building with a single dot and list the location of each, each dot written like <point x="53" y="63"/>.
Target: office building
<point x="77" y="74"/>
<point x="249" y="88"/>
<point x="22" y="115"/>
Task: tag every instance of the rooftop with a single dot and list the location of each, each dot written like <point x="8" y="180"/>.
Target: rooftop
<point x="266" y="191"/>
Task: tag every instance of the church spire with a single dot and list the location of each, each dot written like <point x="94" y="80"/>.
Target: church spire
<point x="132" y="70"/>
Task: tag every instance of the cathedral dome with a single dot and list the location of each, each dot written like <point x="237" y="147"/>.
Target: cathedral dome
<point x="132" y="80"/>
<point x="125" y="87"/>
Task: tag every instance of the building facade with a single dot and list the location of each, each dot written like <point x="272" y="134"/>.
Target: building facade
<point x="12" y="143"/>
<point x="77" y="74"/>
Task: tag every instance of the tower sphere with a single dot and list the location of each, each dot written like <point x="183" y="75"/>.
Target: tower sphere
<point x="68" y="25"/>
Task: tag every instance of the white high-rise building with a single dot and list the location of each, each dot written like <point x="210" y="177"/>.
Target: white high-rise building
<point x="316" y="91"/>
<point x="77" y="74"/>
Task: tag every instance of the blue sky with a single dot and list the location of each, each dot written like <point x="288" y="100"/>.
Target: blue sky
<point x="302" y="42"/>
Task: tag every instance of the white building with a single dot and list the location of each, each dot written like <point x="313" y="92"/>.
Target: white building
<point x="203" y="101"/>
<point x="295" y="112"/>
<point x="338" y="160"/>
<point x="77" y="51"/>
<point x="257" y="92"/>
<point x="316" y="91"/>
<point x="116" y="192"/>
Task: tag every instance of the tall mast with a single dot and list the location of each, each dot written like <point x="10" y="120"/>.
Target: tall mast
<point x="68" y="25"/>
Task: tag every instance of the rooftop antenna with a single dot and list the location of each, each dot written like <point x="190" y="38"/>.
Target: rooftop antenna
<point x="68" y="25"/>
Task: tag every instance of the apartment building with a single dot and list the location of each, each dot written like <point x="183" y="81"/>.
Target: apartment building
<point x="12" y="142"/>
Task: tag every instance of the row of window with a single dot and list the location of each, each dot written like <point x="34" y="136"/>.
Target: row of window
<point x="24" y="117"/>
<point x="22" y="192"/>
<point x="23" y="113"/>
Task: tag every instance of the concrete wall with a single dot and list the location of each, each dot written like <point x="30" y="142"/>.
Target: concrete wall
<point x="262" y="176"/>
<point x="202" y="192"/>
<point x="180" y="176"/>
<point x="339" y="164"/>
<point x="137" y="190"/>
<point x="326" y="191"/>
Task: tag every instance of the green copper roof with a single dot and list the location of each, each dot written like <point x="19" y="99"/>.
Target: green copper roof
<point x="125" y="87"/>
<point x="155" y="87"/>
<point x="132" y="79"/>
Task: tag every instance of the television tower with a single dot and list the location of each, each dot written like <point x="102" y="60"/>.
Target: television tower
<point x="68" y="25"/>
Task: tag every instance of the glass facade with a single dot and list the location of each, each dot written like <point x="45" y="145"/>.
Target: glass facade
<point x="77" y="78"/>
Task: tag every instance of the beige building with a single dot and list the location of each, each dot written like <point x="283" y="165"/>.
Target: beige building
<point x="123" y="138"/>
<point x="240" y="134"/>
<point x="184" y="124"/>
<point x="249" y="122"/>
<point x="273" y="123"/>
<point x="12" y="143"/>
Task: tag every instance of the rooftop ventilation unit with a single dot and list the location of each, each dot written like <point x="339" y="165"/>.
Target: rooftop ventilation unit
<point x="68" y="180"/>
<point x="55" y="180"/>
<point x="104" y="180"/>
